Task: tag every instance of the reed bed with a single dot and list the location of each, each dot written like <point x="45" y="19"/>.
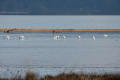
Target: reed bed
<point x="67" y="76"/>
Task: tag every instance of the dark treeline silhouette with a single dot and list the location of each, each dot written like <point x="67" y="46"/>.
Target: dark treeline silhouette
<point x="60" y="7"/>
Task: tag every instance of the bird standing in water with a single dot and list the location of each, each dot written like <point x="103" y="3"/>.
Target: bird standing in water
<point x="21" y="38"/>
<point x="8" y="37"/>
<point x="79" y="37"/>
<point x="64" y="36"/>
<point x="105" y="35"/>
<point x="94" y="37"/>
<point x="8" y="34"/>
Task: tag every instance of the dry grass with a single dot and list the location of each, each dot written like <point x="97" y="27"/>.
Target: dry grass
<point x="71" y="76"/>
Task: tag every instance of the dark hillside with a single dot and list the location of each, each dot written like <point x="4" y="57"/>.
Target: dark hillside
<point x="60" y="7"/>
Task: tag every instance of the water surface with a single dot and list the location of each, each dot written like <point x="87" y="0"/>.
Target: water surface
<point x="60" y="22"/>
<point x="41" y="53"/>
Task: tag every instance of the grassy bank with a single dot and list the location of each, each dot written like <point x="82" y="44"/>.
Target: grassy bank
<point x="70" y="76"/>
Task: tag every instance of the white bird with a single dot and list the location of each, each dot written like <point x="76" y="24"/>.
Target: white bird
<point x="105" y="35"/>
<point x="21" y="38"/>
<point x="8" y="37"/>
<point x="64" y="37"/>
<point x="94" y="37"/>
<point x="79" y="37"/>
<point x="56" y="37"/>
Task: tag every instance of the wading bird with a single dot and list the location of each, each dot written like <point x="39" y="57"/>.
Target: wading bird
<point x="8" y="37"/>
<point x="105" y="35"/>
<point x="79" y="37"/>
<point x="56" y="37"/>
<point x="21" y="37"/>
<point x="94" y="37"/>
<point x="64" y="36"/>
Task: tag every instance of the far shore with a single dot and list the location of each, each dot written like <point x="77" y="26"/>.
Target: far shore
<point x="35" y="30"/>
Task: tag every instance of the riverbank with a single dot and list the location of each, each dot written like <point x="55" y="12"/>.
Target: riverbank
<point x="68" y="76"/>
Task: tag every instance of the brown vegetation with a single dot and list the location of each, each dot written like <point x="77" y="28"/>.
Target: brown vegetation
<point x="71" y="76"/>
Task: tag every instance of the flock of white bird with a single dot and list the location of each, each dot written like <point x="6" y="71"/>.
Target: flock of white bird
<point x="57" y="37"/>
<point x="20" y="37"/>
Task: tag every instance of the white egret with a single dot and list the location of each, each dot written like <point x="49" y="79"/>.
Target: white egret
<point x="8" y="37"/>
<point x="94" y="37"/>
<point x="21" y="38"/>
<point x="64" y="36"/>
<point x="79" y="37"/>
<point x="56" y="37"/>
<point x="105" y="35"/>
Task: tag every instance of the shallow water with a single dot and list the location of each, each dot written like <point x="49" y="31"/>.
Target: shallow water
<point x="39" y="52"/>
<point x="61" y="22"/>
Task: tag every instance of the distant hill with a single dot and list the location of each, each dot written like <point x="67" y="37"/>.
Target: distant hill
<point x="59" y="7"/>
